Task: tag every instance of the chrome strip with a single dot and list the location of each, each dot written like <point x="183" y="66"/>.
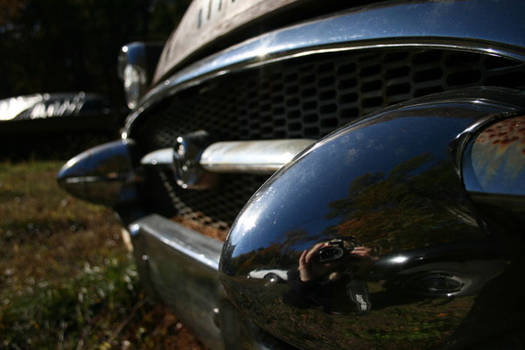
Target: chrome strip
<point x="181" y="266"/>
<point x="491" y="27"/>
<point x="187" y="242"/>
<point x="253" y="157"/>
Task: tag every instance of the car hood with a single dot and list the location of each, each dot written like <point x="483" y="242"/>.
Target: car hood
<point x="209" y="20"/>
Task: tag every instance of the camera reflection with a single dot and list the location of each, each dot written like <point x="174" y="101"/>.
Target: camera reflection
<point x="330" y="274"/>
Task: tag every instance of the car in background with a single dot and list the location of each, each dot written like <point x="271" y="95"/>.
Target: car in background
<point x="367" y="156"/>
<point x="50" y="122"/>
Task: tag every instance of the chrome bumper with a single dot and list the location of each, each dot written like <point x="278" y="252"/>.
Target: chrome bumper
<point x="181" y="266"/>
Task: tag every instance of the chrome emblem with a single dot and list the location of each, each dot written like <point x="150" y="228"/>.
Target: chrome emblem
<point x="189" y="173"/>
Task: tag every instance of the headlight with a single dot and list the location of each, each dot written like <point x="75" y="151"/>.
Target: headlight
<point x="136" y="64"/>
<point x="134" y="84"/>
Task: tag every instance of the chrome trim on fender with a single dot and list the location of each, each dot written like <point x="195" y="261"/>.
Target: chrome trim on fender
<point x="452" y="25"/>
<point x="252" y="157"/>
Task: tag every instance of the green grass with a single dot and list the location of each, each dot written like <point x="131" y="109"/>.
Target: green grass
<point x="66" y="280"/>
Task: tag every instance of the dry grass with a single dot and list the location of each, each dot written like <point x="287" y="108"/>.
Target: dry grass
<point x="66" y="280"/>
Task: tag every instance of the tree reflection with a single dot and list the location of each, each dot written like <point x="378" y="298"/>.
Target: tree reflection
<point x="419" y="202"/>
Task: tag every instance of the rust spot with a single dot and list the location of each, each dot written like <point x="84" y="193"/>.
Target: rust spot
<point x="504" y="134"/>
<point x="499" y="165"/>
<point x="207" y="230"/>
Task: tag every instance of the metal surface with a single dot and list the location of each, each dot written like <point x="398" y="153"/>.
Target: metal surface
<point x="306" y="98"/>
<point x="182" y="269"/>
<point x="43" y="106"/>
<point x="188" y="172"/>
<point x="162" y="157"/>
<point x="102" y="174"/>
<point x="206" y="21"/>
<point x="141" y="54"/>
<point x="494" y="161"/>
<point x="136" y="63"/>
<point x="457" y="25"/>
<point x="380" y="243"/>
<point x="180" y="266"/>
<point x="252" y="157"/>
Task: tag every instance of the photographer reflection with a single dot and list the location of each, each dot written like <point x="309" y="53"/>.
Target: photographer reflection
<point x="330" y="274"/>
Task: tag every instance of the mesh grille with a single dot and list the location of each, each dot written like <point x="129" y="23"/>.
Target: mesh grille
<point x="301" y="98"/>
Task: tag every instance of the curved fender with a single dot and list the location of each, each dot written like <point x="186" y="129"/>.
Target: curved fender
<point x="376" y="242"/>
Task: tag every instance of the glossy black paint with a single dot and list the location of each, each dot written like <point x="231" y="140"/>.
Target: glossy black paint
<point x="380" y="244"/>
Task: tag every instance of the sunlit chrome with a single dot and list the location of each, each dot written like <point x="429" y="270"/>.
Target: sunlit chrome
<point x="182" y="265"/>
<point x="429" y="24"/>
<point x="41" y="106"/>
<point x="255" y="157"/>
<point x="162" y="156"/>
<point x="134" y="84"/>
<point x="103" y="174"/>
<point x="11" y="107"/>
<point x="136" y="62"/>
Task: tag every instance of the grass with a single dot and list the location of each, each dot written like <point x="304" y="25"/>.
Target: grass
<point x="66" y="280"/>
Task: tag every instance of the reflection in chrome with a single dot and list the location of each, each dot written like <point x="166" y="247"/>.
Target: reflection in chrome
<point x="385" y="240"/>
<point x="328" y="275"/>
<point x="268" y="273"/>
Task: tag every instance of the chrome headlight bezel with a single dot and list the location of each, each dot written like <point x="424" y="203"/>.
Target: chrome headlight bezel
<point x="135" y="81"/>
<point x="136" y="64"/>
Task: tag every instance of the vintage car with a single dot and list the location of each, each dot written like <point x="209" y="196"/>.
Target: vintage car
<point x="48" y="123"/>
<point x="327" y="175"/>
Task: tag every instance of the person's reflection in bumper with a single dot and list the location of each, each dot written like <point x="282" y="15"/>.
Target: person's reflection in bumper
<point x="328" y="276"/>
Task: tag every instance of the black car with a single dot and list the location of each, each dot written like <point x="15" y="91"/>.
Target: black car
<point x="363" y="162"/>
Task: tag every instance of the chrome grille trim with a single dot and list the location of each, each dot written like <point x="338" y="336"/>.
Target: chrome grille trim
<point x="249" y="157"/>
<point x="448" y="25"/>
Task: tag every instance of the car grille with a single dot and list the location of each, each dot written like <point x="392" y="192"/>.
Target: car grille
<point x="299" y="98"/>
